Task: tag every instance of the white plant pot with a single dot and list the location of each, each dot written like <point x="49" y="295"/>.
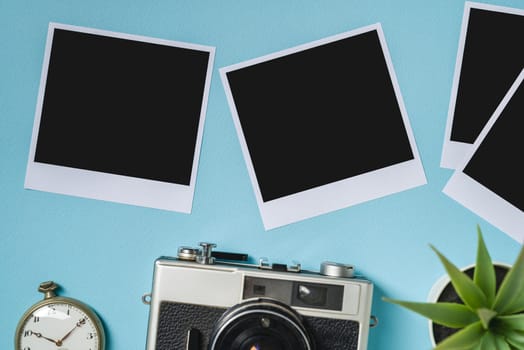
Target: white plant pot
<point x="437" y="289"/>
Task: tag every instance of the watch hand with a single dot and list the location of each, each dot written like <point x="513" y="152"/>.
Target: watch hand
<point x="39" y="335"/>
<point x="78" y="324"/>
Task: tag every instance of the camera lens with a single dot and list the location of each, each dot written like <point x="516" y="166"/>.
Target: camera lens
<point x="260" y="324"/>
<point x="262" y="343"/>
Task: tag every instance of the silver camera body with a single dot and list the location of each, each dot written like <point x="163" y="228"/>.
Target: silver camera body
<point x="199" y="302"/>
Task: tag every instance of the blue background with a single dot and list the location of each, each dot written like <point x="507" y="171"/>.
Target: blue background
<point x="103" y="253"/>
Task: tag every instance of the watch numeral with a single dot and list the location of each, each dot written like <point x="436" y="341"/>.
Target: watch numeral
<point x="27" y="348"/>
<point x="90" y="335"/>
<point x="36" y="319"/>
<point x="28" y="333"/>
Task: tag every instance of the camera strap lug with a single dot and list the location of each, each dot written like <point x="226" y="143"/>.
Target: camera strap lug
<point x="374" y="321"/>
<point x="146" y="298"/>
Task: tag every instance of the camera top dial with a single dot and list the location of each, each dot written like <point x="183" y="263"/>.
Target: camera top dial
<point x="333" y="269"/>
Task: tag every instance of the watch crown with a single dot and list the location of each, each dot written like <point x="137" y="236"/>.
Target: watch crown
<point x="48" y="288"/>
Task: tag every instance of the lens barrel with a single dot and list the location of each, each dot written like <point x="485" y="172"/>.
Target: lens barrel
<point x="260" y="324"/>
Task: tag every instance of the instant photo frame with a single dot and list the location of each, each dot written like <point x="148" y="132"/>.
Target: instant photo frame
<point x="489" y="182"/>
<point x="489" y="58"/>
<point x="119" y="117"/>
<point x="322" y="126"/>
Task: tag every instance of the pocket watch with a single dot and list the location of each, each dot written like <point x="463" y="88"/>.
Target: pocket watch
<point x="59" y="323"/>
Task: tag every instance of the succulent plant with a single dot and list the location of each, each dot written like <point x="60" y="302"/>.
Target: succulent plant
<point x="489" y="319"/>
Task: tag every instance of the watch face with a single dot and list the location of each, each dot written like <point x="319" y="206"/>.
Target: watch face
<point x="59" y="326"/>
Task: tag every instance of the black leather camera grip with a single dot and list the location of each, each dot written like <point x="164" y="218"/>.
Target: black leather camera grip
<point x="175" y="320"/>
<point x="333" y="334"/>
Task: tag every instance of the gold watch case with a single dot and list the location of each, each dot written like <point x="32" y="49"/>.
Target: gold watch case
<point x="89" y="322"/>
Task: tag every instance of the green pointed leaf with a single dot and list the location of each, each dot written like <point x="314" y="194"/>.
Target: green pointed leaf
<point x="486" y="315"/>
<point x="515" y="339"/>
<point x="467" y="290"/>
<point x="467" y="338"/>
<point x="451" y="315"/>
<point x="487" y="342"/>
<point x="510" y="296"/>
<point x="501" y="343"/>
<point x="492" y="341"/>
<point x="513" y="322"/>
<point x="484" y="275"/>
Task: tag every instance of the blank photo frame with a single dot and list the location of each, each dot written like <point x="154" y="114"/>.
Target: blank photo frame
<point x="322" y="126"/>
<point x="491" y="181"/>
<point x="489" y="58"/>
<point x="119" y="117"/>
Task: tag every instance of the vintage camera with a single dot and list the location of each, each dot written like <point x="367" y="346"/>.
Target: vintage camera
<point x="207" y="300"/>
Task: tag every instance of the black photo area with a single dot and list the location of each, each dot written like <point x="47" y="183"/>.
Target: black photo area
<point x="497" y="163"/>
<point x="122" y="106"/>
<point x="320" y="115"/>
<point x="492" y="59"/>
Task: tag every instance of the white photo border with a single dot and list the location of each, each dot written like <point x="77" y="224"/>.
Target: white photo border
<point x="344" y="193"/>
<point x="453" y="152"/>
<point x="481" y="200"/>
<point x="105" y="186"/>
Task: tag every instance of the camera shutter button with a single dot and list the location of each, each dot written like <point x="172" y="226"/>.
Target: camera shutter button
<point x="205" y="255"/>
